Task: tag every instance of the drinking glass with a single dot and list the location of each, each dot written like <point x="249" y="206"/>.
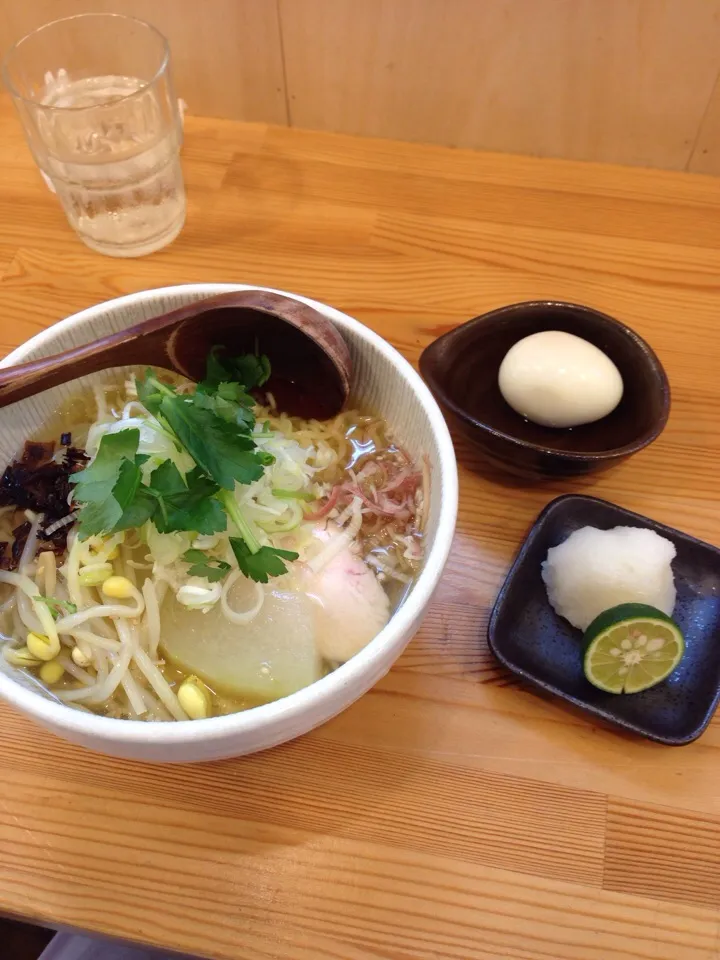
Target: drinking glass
<point x="96" y="100"/>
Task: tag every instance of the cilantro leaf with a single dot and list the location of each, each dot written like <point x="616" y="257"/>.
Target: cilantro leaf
<point x="266" y="562"/>
<point x="150" y="391"/>
<point x="199" y="513"/>
<point x="205" y="566"/>
<point x="109" y="485"/>
<point x="109" y="515"/>
<point x="234" y="392"/>
<point x="95" y="483"/>
<point x="215" y="369"/>
<point x="138" y="508"/>
<point x="223" y="454"/>
<point x="226" y="408"/>
<point x="186" y="503"/>
<point x="214" y="425"/>
<point x="250" y="370"/>
<point x="96" y="518"/>
<point x="127" y="483"/>
<point x="166" y="480"/>
<point x="138" y="512"/>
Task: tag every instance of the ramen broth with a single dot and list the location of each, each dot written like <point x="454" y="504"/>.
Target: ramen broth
<point x="356" y="512"/>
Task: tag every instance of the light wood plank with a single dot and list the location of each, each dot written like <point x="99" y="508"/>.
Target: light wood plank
<point x="451" y="643"/>
<point x="514" y="732"/>
<point x="661" y="852"/>
<point x="616" y="80"/>
<point x="254" y="891"/>
<point x="562" y="176"/>
<point x="450" y="812"/>
<point x="350" y="792"/>
<point x="420" y="193"/>
<point x="208" y="148"/>
<point x="226" y="54"/>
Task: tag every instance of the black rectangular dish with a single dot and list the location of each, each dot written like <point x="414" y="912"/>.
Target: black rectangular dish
<point x="531" y="640"/>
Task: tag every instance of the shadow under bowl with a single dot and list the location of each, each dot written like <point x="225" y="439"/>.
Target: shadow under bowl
<point x="461" y="368"/>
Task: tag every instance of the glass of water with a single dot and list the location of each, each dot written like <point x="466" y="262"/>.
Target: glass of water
<point x="96" y="100"/>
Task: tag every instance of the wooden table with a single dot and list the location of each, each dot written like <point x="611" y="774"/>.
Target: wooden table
<point x="449" y="813"/>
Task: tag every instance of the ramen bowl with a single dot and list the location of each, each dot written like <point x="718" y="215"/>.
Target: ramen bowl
<point x="384" y="382"/>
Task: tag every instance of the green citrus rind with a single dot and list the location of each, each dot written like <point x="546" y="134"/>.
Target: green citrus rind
<point x="622" y="632"/>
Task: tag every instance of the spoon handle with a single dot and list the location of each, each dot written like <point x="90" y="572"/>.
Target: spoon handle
<point x="299" y="337"/>
<point x="25" y="379"/>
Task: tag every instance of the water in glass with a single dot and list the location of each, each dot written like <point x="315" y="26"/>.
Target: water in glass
<point x="119" y="181"/>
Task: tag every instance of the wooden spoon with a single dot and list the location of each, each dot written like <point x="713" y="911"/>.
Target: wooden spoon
<point x="310" y="361"/>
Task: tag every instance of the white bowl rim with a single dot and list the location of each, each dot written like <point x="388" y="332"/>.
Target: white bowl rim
<point x="328" y="688"/>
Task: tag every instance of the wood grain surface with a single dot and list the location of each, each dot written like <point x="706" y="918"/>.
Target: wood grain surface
<point x="624" y="81"/>
<point x="449" y="813"/>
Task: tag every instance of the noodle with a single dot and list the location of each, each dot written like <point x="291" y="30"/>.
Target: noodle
<point x="331" y="489"/>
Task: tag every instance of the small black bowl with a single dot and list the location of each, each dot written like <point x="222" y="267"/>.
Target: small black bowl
<point x="530" y="639"/>
<point x="461" y="368"/>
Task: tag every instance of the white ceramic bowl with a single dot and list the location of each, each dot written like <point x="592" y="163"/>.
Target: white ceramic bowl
<point x="383" y="381"/>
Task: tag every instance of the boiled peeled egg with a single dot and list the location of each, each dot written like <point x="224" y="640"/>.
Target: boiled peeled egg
<point x="559" y="380"/>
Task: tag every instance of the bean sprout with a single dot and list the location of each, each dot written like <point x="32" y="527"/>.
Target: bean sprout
<point x="74" y="670"/>
<point x="28" y="554"/>
<point x="152" y="616"/>
<point x="42" y="619"/>
<point x="328" y="486"/>
<point x="134" y="694"/>
<point x="104" y="689"/>
<point x="93" y="640"/>
<point x="47" y="570"/>
<point x="120" y="611"/>
<point x="159" y="684"/>
<point x="8" y="605"/>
